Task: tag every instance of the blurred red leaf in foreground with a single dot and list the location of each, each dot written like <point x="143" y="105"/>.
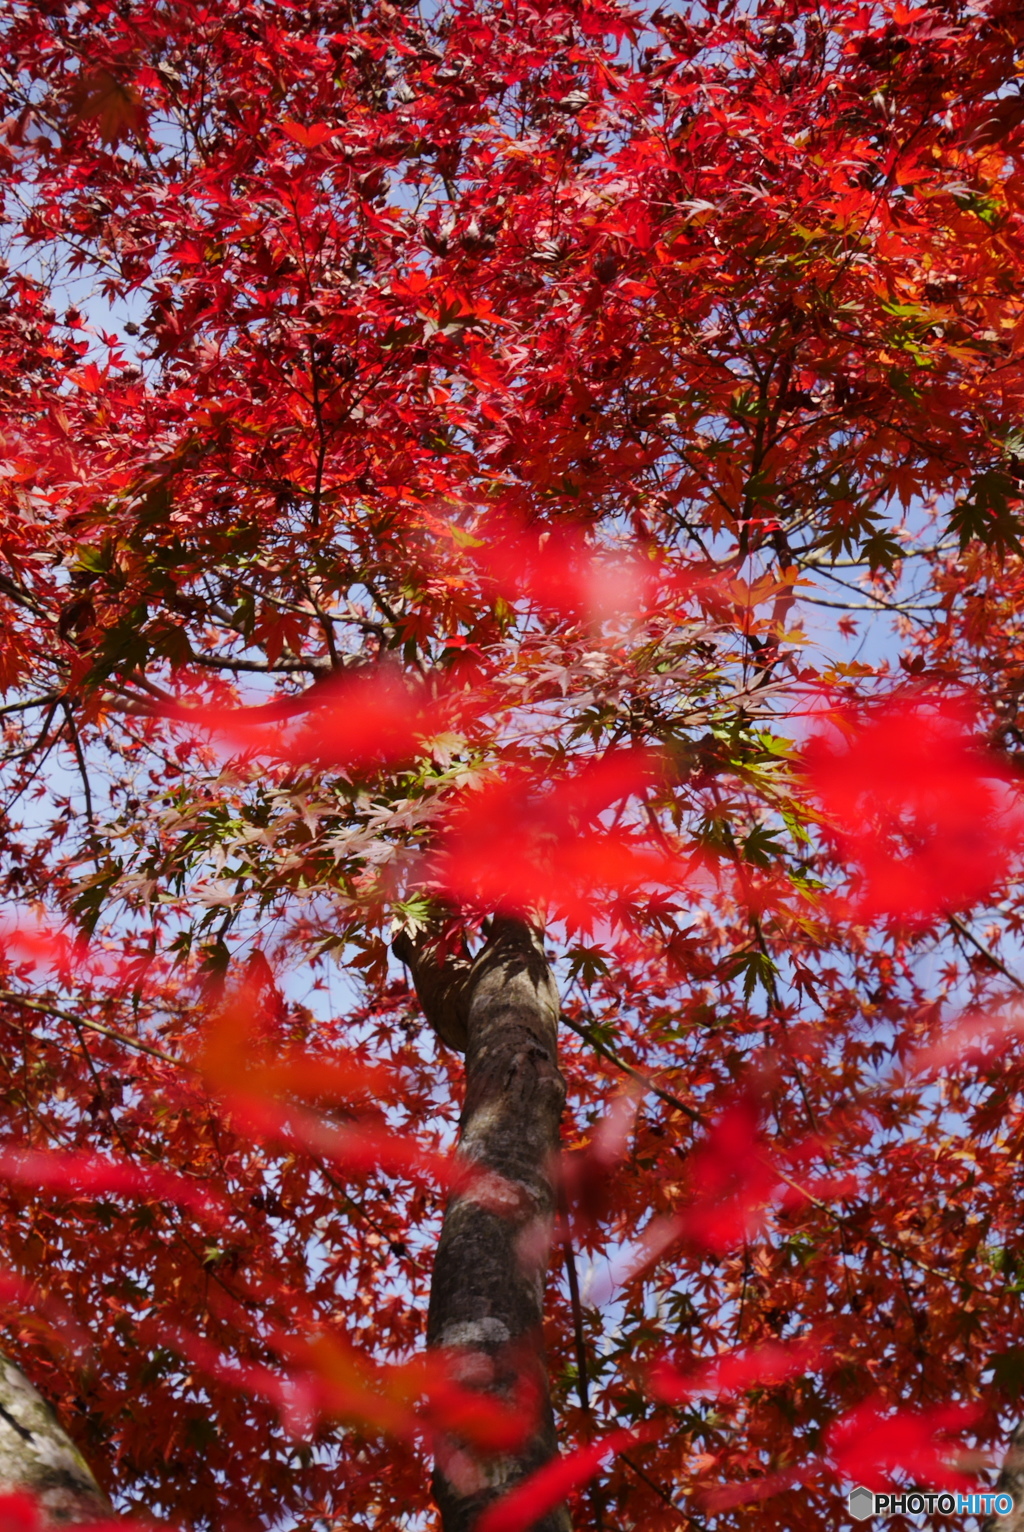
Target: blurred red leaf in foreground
<point x="323" y="1377"/>
<point x="975" y="1038"/>
<point x="560" y="858"/>
<point x="723" y="1497"/>
<point x="587" y="1175"/>
<point x="557" y="568"/>
<point x="735" y="1178"/>
<point x="560" y="568"/>
<point x="263" y="1087"/>
<point x="735" y="1371"/>
<point x="917" y="805"/>
<point x="867" y="1444"/>
<point x="23" y="1513"/>
<point x="371" y="718"/>
<point x="517" y="1511"/>
<point x="94" y="1175"/>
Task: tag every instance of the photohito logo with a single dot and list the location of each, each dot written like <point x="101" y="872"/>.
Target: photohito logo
<point x="864" y="1503"/>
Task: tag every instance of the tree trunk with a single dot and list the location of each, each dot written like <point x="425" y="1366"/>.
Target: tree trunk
<point x="38" y="1458"/>
<point x="1011" y="1480"/>
<point x="486" y="1301"/>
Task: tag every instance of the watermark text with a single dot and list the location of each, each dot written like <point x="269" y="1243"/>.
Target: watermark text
<point x="913" y="1502"/>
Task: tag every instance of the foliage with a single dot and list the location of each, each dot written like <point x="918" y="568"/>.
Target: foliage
<point x="490" y="392"/>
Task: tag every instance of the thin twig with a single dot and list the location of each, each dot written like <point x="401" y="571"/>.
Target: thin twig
<point x="47" y="1009"/>
<point x="635" y="1074"/>
<point x="311" y="666"/>
<point x="662" y="1493"/>
<point x="83" y="772"/>
<point x="966" y="932"/>
<point x="582" y="1372"/>
<point x="29" y="702"/>
<point x="582" y="1375"/>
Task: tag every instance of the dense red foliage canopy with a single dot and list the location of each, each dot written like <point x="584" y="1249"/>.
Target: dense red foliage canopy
<point x="436" y="443"/>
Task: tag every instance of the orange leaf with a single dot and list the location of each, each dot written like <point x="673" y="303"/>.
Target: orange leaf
<point x="309" y="138"/>
<point x="112" y="105"/>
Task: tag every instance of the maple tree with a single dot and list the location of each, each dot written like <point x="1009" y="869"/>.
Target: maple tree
<point x="431" y="436"/>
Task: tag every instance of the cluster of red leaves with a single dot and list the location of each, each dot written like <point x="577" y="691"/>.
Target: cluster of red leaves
<point x="267" y="1346"/>
<point x="246" y="1346"/>
<point x="924" y="813"/>
<point x="563" y="859"/>
<point x="496" y="341"/>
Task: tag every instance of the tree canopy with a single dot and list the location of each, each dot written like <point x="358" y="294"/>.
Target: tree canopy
<point x="489" y="463"/>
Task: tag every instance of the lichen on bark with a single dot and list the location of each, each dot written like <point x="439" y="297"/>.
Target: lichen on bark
<point x="38" y="1458"/>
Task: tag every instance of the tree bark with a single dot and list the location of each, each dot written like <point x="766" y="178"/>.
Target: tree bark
<point x="487" y="1295"/>
<point x="38" y="1458"/>
<point x="1011" y="1480"/>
